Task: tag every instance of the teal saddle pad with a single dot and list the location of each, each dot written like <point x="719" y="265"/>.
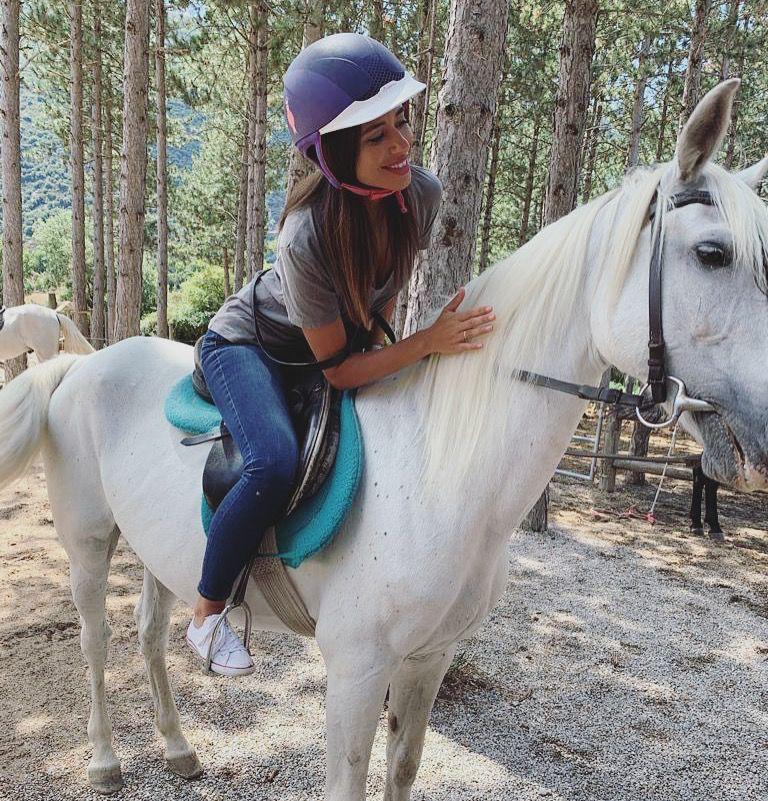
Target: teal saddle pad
<point x="311" y="526"/>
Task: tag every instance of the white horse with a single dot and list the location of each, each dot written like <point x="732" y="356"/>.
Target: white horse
<point x="414" y="571"/>
<point x="38" y="328"/>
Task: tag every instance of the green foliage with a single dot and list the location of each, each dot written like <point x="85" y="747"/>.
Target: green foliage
<point x="191" y="306"/>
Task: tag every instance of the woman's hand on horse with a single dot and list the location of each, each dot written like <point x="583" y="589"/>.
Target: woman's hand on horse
<point x="457" y="331"/>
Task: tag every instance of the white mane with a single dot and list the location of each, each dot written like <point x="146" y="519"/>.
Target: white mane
<point x="534" y="293"/>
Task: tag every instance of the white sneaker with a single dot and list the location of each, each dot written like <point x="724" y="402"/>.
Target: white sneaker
<point x="229" y="657"/>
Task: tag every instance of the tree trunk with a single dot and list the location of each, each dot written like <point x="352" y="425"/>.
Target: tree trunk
<point x="133" y="168"/>
<point x="530" y="175"/>
<point x="76" y="159"/>
<point x="665" y="103"/>
<point x="257" y="216"/>
<point x="300" y="167"/>
<point x="242" y="210"/>
<point x="418" y="108"/>
<point x="227" y="288"/>
<point x="419" y="112"/>
<point x="571" y="104"/>
<point x="257" y="139"/>
<point x="730" y="32"/>
<point x="695" y="56"/>
<point x="376" y="25"/>
<point x="594" y="138"/>
<point x="98" y="327"/>
<point x="110" y="220"/>
<point x="10" y="159"/>
<point x="730" y="153"/>
<point x="638" y="105"/>
<point x="162" y="172"/>
<point x="466" y="106"/>
<point x="485" y="229"/>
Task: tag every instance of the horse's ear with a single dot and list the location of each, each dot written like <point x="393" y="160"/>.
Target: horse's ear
<point x="753" y="176"/>
<point x="705" y="129"/>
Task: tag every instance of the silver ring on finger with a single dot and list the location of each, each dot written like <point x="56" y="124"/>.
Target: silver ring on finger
<point x="465" y="337"/>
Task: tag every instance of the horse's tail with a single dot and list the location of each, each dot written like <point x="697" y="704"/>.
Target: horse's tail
<point x="24" y="414"/>
<point x="74" y="341"/>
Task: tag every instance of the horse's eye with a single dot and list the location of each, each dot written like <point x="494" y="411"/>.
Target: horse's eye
<point x="713" y="254"/>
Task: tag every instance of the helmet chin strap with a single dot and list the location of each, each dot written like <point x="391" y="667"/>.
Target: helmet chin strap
<point x="362" y="191"/>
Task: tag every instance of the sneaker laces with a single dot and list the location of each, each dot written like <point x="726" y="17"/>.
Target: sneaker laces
<point x="227" y="642"/>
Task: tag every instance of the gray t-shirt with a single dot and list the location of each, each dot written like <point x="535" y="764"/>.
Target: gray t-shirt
<point x="298" y="292"/>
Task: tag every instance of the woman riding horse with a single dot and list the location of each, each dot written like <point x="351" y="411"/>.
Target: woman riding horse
<point x="348" y="237"/>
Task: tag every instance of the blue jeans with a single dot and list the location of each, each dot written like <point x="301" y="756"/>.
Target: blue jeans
<point x="248" y="390"/>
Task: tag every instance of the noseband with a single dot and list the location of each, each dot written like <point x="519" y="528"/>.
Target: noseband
<point x="657" y="369"/>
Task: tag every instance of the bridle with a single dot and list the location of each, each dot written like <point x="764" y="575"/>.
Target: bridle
<point x="657" y="368"/>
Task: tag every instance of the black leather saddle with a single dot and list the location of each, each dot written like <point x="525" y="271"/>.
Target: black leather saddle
<point x="314" y="407"/>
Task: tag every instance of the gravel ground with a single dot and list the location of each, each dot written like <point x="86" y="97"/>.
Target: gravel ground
<point x="625" y="661"/>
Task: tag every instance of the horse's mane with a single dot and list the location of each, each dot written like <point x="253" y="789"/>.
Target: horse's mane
<point x="534" y="291"/>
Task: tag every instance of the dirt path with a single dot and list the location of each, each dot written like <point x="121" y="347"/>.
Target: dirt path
<point x="625" y="661"/>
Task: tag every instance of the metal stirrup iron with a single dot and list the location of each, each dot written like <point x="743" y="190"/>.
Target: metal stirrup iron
<point x="238" y="600"/>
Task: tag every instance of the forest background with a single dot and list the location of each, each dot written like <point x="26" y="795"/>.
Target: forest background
<point x="636" y="87"/>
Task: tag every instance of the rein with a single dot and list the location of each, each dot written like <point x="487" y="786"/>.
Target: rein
<point x="2" y="317"/>
<point x="657" y="370"/>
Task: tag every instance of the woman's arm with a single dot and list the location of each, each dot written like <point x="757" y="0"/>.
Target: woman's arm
<point x="452" y="332"/>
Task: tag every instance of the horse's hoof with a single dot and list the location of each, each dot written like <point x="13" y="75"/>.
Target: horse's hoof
<point x="185" y="765"/>
<point x="105" y="781"/>
<point x="697" y="532"/>
<point x="717" y="536"/>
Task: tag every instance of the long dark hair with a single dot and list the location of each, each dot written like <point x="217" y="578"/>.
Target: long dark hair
<point x="345" y="229"/>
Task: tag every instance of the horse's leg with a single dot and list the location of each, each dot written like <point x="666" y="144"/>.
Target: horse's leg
<point x="357" y="686"/>
<point x="411" y="697"/>
<point x="710" y="510"/>
<point x="152" y="617"/>
<point x="89" y="566"/>
<point x="698" y="486"/>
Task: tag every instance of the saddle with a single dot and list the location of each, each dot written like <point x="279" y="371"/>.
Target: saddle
<point x="314" y="407"/>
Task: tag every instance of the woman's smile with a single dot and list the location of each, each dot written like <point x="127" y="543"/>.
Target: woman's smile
<point x="399" y="168"/>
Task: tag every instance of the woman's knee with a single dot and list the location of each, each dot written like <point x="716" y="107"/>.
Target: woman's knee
<point x="274" y="471"/>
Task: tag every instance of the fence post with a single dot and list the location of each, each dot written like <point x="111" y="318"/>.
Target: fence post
<point x="612" y="431"/>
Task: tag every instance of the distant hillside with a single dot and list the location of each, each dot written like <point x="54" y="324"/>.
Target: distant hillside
<point x="45" y="181"/>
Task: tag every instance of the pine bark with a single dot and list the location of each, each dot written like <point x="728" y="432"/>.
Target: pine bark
<point x="490" y="191"/>
<point x="692" y="85"/>
<point x="162" y="173"/>
<point x="257" y="140"/>
<point x="665" y="103"/>
<point x="466" y="106"/>
<point x="418" y="103"/>
<point x="227" y="288"/>
<point x="110" y="218"/>
<point x="571" y="105"/>
<point x="242" y="211"/>
<point x="300" y="167"/>
<point x="98" y="326"/>
<point x="638" y="105"/>
<point x="530" y="175"/>
<point x="10" y="162"/>
<point x="730" y="33"/>
<point x="591" y="151"/>
<point x="77" y="172"/>
<point x="133" y="168"/>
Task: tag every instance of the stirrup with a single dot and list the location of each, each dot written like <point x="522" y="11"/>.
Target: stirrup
<point x="238" y="600"/>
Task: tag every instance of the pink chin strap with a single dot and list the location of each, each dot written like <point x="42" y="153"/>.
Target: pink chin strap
<point x="362" y="191"/>
<point x="377" y="194"/>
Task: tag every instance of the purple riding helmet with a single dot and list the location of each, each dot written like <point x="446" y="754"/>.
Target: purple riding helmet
<point x="339" y="82"/>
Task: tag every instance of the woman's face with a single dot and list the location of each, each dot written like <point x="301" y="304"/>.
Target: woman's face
<point x="384" y="146"/>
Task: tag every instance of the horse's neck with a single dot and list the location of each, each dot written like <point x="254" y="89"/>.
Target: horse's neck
<point x="538" y="428"/>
